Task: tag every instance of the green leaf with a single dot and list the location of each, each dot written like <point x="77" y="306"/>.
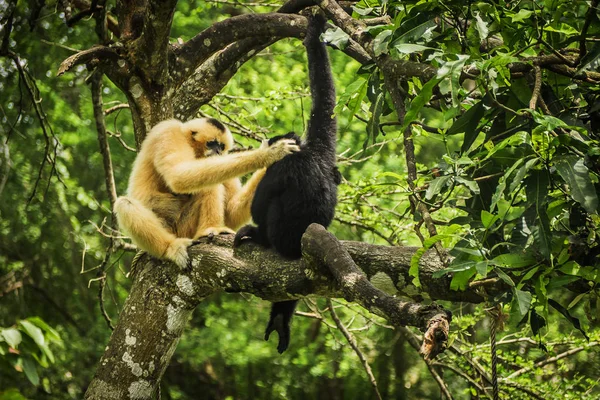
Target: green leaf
<point x="502" y="184"/>
<point x="381" y="41"/>
<point x="458" y="267"/>
<point x="468" y="123"/>
<point x="373" y="124"/>
<point x="530" y="274"/>
<point x="513" y="260"/>
<point x="50" y="332"/>
<point x="419" y="101"/>
<point x="488" y="219"/>
<point x="416" y="32"/>
<point x="362" y="11"/>
<point x="549" y="122"/>
<point x="502" y="275"/>
<point x="558" y="307"/>
<point x="409" y="48"/>
<point x="576" y="175"/>
<point x="472" y="185"/>
<point x="461" y="279"/>
<point x="576" y="300"/>
<point x="12" y="336"/>
<point x="522" y="15"/>
<point x="523" y="300"/>
<point x="536" y="188"/>
<point x="38" y="337"/>
<point x="353" y="97"/>
<point x="336" y="37"/>
<point x="30" y="370"/>
<point x="482" y="268"/>
<point x="416" y="258"/>
<point x="436" y="186"/>
<point x="562" y="28"/>
<point x="34" y="332"/>
<point x="482" y="27"/>
<point x="452" y="71"/>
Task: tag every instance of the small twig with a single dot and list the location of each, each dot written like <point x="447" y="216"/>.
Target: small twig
<point x="366" y="228"/>
<point x="115" y="108"/>
<point x="121" y="141"/>
<point x="552" y="360"/>
<point x="102" y="281"/>
<point x="536" y="88"/>
<point x="564" y="59"/>
<point x="352" y="341"/>
<point x="458" y="372"/>
<point x="525" y="390"/>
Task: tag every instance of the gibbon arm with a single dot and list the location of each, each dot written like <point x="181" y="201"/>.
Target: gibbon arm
<point x="237" y="209"/>
<point x="183" y="173"/>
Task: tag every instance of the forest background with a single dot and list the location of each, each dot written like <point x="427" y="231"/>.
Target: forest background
<point x="482" y="141"/>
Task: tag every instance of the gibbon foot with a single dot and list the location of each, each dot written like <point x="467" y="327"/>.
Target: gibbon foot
<point x="283" y="330"/>
<point x="279" y="321"/>
<point x="213" y="231"/>
<point x="246" y="232"/>
<point x="178" y="252"/>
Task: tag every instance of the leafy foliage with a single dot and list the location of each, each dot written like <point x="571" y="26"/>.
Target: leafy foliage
<point x="512" y="190"/>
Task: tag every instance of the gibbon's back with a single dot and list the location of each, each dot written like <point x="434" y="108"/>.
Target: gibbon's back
<point x="145" y="180"/>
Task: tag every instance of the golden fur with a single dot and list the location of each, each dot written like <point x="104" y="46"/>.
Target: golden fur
<point x="180" y="189"/>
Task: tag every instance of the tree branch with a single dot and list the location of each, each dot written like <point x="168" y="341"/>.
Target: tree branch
<point x="198" y="49"/>
<point x="99" y="53"/>
<point x="162" y="298"/>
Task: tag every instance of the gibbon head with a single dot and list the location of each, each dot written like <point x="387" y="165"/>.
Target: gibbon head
<point x="208" y="136"/>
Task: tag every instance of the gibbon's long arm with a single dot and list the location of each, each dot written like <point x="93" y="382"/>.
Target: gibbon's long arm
<point x="237" y="209"/>
<point x="184" y="173"/>
<point x="322" y="126"/>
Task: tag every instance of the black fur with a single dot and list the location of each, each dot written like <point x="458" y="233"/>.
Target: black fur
<point x="301" y="188"/>
<point x="216" y="123"/>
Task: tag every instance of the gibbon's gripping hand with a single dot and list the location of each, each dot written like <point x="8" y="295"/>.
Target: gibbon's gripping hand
<point x="279" y="149"/>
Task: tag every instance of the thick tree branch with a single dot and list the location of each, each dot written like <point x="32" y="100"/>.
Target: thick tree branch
<point x="197" y="50"/>
<point x="163" y="297"/>
<point x="99" y="53"/>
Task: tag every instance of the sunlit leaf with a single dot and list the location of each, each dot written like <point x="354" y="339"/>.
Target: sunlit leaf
<point x="577" y="176"/>
<point x="337" y="37"/>
<point x="436" y="186"/>
<point x="523" y="300"/>
<point x="12" y="336"/>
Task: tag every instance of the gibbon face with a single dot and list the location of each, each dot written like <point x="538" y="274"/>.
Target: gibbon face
<point x="208" y="137"/>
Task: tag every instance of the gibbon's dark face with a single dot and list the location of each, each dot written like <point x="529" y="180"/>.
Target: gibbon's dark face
<point x="214" y="147"/>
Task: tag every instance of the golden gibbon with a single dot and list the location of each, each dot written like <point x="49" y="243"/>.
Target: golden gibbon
<point x="184" y="185"/>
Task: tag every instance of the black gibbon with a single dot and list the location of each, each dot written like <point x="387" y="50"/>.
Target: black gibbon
<point x="301" y="188"/>
<point x="184" y="185"/>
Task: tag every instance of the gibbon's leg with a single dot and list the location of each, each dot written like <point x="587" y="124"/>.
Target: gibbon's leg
<point x="212" y="212"/>
<point x="149" y="233"/>
<point x="239" y="199"/>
